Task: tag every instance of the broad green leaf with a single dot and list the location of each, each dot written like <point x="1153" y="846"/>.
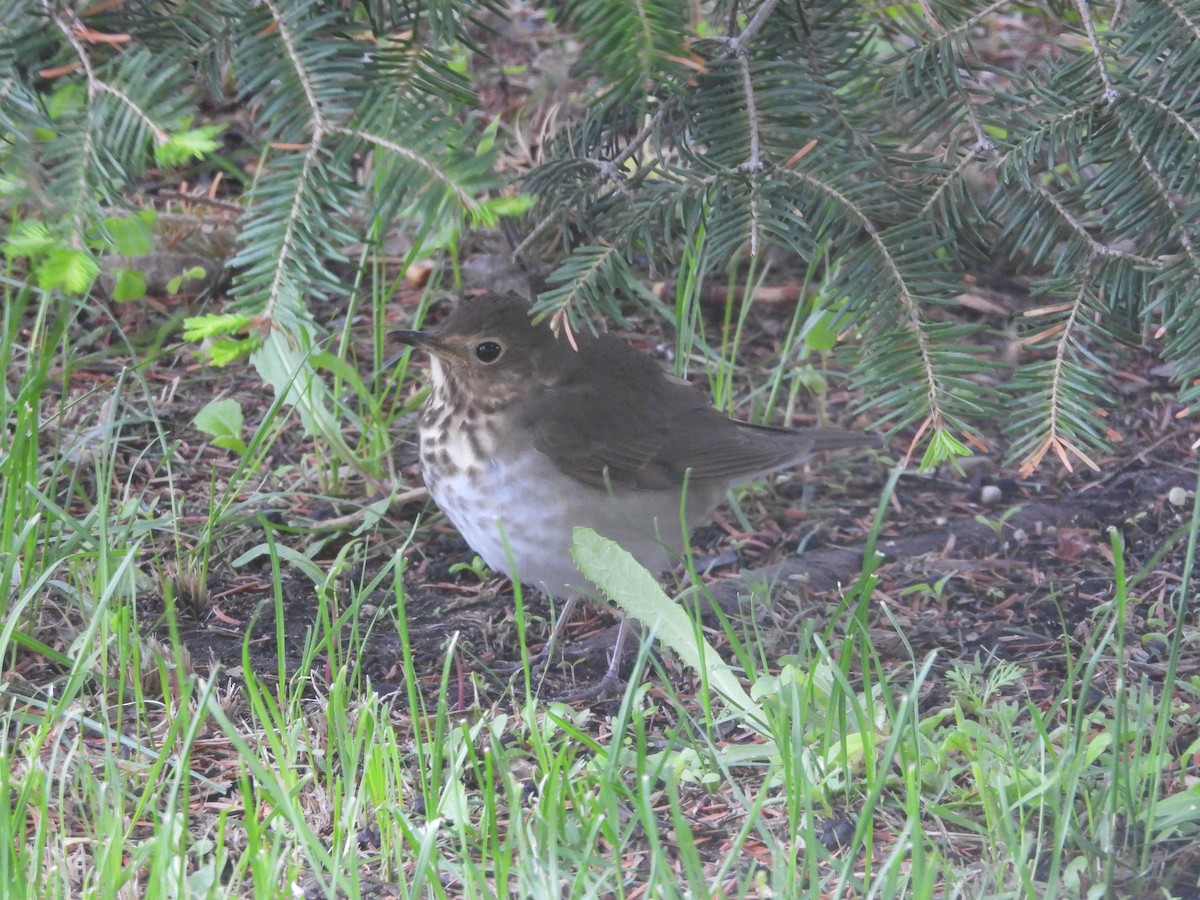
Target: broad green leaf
<point x="820" y="331"/>
<point x="628" y="584"/>
<point x="131" y="285"/>
<point x="223" y="420"/>
<point x="284" y="362"/>
<point x="131" y="235"/>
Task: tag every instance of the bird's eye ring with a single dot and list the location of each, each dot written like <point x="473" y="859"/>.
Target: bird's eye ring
<point x="488" y="352"/>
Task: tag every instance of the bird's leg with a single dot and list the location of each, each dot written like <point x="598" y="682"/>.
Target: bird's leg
<point x="598" y="690"/>
<point x="601" y="689"/>
<point x="538" y="661"/>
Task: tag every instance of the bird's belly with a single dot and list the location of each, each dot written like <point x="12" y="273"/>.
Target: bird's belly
<point x="519" y="515"/>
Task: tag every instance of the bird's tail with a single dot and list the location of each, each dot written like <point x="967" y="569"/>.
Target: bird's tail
<point x="838" y="438"/>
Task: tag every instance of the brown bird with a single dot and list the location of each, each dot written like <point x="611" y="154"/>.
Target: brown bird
<point x="526" y="435"/>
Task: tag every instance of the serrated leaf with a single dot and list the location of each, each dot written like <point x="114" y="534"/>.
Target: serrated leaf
<point x="131" y="235"/>
<point x="71" y="269"/>
<point x="628" y="584"/>
<point x="28" y="238"/>
<point x="197" y="328"/>
<point x="943" y="446"/>
<point x="194" y="143"/>
<point x="130" y="285"/>
<point x="509" y="207"/>
<point x="221" y="352"/>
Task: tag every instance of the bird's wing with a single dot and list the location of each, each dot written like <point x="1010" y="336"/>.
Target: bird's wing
<point x="647" y="431"/>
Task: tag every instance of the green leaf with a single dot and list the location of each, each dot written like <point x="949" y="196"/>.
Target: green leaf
<point x="131" y="235"/>
<point x="508" y="207"/>
<point x="28" y="238"/>
<point x="628" y="584"/>
<point x="69" y="268"/>
<point x="131" y="285"/>
<point x="487" y="140"/>
<point x="341" y="369"/>
<point x="11" y="188"/>
<point x="943" y="446"/>
<point x="1177" y="813"/>
<point x="222" y="420"/>
<point x="67" y="98"/>
<point x="820" y="331"/>
<point x="284" y="362"/>
<point x="814" y="382"/>
<point x="222" y="352"/>
<point x="195" y="143"/>
<point x="194" y="273"/>
<point x="197" y="328"/>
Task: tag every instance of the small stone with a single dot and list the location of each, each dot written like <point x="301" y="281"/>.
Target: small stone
<point x="989" y="494"/>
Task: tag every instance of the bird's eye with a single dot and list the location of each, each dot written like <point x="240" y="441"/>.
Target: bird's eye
<point x="488" y="352"/>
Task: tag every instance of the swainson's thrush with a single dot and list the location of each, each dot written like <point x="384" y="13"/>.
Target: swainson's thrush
<point x="525" y="436"/>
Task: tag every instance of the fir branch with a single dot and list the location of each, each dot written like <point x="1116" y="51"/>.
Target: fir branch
<point x="439" y="173"/>
<point x="292" y="214"/>
<point x="1096" y="249"/>
<point x="1093" y="42"/>
<point x="1165" y="195"/>
<point x="300" y="69"/>
<point x="935" y="90"/>
<point x="913" y="318"/>
<point x="608" y="170"/>
<point x="1054" y="434"/>
<point x="82" y="195"/>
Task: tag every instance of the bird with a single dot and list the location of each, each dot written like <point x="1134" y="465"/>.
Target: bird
<point x="527" y="433"/>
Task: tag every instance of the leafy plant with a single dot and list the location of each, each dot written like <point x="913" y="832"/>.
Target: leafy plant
<point x="356" y="118"/>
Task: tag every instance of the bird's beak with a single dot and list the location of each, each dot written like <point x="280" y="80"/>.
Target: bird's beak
<point x="428" y="341"/>
<point x="417" y="339"/>
<point x="413" y="338"/>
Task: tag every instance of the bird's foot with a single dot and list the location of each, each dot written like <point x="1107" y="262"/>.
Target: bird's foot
<point x="536" y="663"/>
<point x="607" y="684"/>
<point x="601" y="689"/>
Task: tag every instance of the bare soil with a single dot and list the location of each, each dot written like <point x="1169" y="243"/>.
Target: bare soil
<point x="1013" y="568"/>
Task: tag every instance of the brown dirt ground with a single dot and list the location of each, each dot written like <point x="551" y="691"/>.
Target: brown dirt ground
<point x="1027" y="561"/>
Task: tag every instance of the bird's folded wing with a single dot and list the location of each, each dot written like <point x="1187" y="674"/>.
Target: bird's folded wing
<point x="650" y="438"/>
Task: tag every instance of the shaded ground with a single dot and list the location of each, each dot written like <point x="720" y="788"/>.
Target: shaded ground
<point x="978" y="567"/>
<point x="981" y="565"/>
<point x="1014" y="568"/>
